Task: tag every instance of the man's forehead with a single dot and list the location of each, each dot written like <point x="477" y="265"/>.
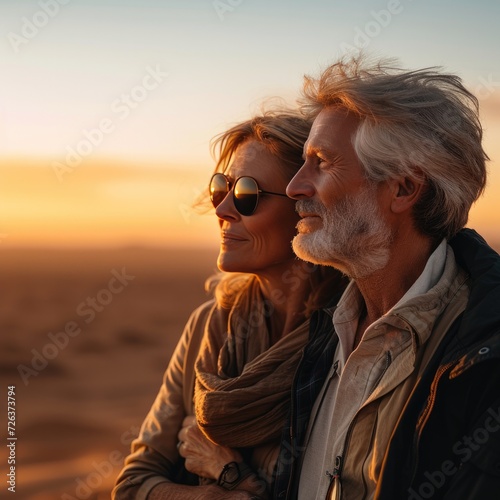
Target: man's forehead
<point x="331" y="123"/>
<point x="335" y="114"/>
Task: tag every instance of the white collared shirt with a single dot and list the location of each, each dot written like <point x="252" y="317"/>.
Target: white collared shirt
<point x="357" y="376"/>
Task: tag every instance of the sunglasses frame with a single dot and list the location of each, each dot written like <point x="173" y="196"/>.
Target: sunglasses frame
<point x="230" y="188"/>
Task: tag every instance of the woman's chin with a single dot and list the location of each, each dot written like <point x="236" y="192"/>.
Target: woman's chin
<point x="227" y="264"/>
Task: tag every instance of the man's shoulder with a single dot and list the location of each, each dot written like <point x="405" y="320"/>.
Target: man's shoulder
<point x="473" y="253"/>
<point x="481" y="318"/>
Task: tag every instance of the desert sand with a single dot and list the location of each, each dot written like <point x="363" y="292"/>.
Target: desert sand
<point x="85" y="338"/>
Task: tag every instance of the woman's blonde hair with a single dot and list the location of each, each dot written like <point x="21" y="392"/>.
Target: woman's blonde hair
<point x="325" y="284"/>
<point x="282" y="132"/>
<point x="422" y="124"/>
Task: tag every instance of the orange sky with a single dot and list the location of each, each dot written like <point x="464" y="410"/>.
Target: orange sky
<point x="112" y="205"/>
<point x="101" y="203"/>
<point x="108" y="202"/>
<point x="155" y="81"/>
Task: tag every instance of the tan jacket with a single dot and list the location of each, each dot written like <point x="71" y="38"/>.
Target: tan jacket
<point x="154" y="453"/>
<point x="370" y="430"/>
<point x="363" y="456"/>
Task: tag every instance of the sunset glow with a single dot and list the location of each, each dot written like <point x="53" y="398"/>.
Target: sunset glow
<point x="108" y="108"/>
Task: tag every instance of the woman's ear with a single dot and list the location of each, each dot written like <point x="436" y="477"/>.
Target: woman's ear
<point x="405" y="193"/>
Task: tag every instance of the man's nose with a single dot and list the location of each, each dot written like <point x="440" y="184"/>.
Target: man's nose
<point x="301" y="185"/>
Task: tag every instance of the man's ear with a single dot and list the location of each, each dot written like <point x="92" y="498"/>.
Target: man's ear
<point x="405" y="193"/>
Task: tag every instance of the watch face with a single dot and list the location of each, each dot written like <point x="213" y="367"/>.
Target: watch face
<point x="232" y="473"/>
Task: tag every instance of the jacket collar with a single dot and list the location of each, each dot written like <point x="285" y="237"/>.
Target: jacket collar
<point x="481" y="318"/>
<point x="478" y="335"/>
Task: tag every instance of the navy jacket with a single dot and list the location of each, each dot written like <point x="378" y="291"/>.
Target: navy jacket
<point x="447" y="442"/>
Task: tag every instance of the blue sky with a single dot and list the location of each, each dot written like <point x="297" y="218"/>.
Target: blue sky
<point x="222" y="58"/>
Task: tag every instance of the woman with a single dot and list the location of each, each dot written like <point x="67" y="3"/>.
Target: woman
<point x="239" y="351"/>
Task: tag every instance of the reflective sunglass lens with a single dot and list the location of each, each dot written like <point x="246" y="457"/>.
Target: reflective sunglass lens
<point x="218" y="189"/>
<point x="246" y="193"/>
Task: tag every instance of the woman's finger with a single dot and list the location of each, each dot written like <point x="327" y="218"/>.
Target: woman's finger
<point x="189" y="420"/>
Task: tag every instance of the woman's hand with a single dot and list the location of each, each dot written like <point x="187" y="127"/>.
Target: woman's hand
<point x="204" y="458"/>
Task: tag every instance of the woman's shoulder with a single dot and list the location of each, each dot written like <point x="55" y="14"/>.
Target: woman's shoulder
<point x="202" y="312"/>
<point x="195" y="327"/>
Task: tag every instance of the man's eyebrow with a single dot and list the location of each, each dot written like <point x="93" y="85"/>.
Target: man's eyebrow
<point x="316" y="150"/>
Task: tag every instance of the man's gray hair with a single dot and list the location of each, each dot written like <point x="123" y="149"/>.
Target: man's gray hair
<point x="421" y="124"/>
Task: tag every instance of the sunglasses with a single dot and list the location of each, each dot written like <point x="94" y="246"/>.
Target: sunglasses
<point x="245" y="189"/>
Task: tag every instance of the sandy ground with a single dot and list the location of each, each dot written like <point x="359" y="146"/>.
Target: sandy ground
<point x="85" y="338"/>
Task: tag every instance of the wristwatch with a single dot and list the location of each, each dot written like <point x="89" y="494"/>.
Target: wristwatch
<point x="233" y="474"/>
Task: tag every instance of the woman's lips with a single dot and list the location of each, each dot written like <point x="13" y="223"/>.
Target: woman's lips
<point x="231" y="237"/>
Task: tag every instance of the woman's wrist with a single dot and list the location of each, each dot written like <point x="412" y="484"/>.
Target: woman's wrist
<point x="239" y="476"/>
<point x="223" y="457"/>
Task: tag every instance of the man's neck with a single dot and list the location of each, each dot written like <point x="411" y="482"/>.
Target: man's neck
<point x="384" y="288"/>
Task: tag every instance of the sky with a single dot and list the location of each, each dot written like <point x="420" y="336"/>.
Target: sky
<point x="107" y="108"/>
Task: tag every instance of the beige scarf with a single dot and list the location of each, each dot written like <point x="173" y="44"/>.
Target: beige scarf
<point x="243" y="383"/>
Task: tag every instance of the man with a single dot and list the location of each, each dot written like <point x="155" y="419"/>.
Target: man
<point x="411" y="405"/>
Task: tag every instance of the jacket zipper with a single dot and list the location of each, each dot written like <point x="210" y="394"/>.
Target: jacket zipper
<point x="334" y="489"/>
<point x="340" y="459"/>
<point x="424" y="416"/>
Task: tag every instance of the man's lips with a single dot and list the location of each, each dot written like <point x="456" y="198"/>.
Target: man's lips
<point x="308" y="222"/>
<point x="304" y="215"/>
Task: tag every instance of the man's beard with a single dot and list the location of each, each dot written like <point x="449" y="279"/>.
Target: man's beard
<point x="353" y="238"/>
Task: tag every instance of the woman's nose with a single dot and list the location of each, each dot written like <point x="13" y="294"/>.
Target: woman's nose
<point x="225" y="209"/>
